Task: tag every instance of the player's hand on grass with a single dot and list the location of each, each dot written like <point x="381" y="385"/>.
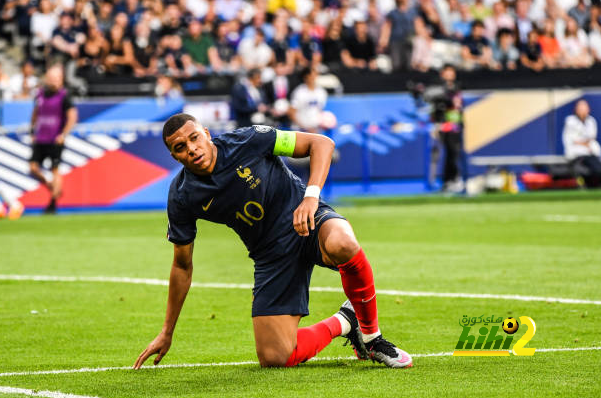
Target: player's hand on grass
<point x="160" y="345"/>
<point x="304" y="216"/>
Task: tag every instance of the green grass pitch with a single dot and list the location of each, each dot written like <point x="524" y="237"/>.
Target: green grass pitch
<point x="546" y="248"/>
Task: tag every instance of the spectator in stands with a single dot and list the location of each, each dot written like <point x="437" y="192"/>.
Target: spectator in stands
<point x="575" y="46"/>
<point x="523" y="23"/>
<point x="581" y="146"/>
<point x="461" y="28"/>
<point x="172" y="23"/>
<point x="65" y="45"/>
<point x="581" y="14"/>
<point x="500" y="19"/>
<point x="429" y="14"/>
<point x="531" y="55"/>
<point x="229" y="61"/>
<point x="505" y="53"/>
<point x="334" y="54"/>
<point x="259" y="22"/>
<point x="281" y="44"/>
<point x="53" y="117"/>
<point x="397" y="33"/>
<point x="248" y="99"/>
<point x="594" y="35"/>
<point x="179" y="63"/>
<point x="92" y="53"/>
<point x="254" y="52"/>
<point x="375" y="21"/>
<point x="120" y="58"/>
<point x="43" y="23"/>
<point x="476" y="51"/>
<point x="201" y="47"/>
<point x="361" y="50"/>
<point x="105" y="16"/>
<point x="480" y="11"/>
<point x="307" y="102"/>
<point x="83" y="17"/>
<point x="421" y="58"/>
<point x="551" y="50"/>
<point x="228" y="9"/>
<point x="21" y="86"/>
<point x="132" y="8"/>
<point x="145" y="61"/>
<point x="309" y="52"/>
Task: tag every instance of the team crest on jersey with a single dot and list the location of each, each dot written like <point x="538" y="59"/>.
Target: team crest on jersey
<point x="259" y="128"/>
<point x="246" y="174"/>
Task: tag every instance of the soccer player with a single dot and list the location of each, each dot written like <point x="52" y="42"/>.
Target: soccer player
<point x="238" y="179"/>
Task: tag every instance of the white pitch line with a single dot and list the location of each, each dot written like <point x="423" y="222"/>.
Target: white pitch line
<point x="36" y="393"/>
<point x="241" y="363"/>
<point x="571" y="218"/>
<point x="383" y="292"/>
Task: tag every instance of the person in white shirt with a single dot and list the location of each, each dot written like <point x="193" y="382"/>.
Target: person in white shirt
<point x="254" y="51"/>
<point x="581" y="146"/>
<point x="307" y="102"/>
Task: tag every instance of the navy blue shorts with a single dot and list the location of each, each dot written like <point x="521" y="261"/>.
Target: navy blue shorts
<point x="282" y="284"/>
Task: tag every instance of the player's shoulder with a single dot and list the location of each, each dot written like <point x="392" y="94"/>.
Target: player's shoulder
<point x="242" y="135"/>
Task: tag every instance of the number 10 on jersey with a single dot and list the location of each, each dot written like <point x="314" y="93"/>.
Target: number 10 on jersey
<point x="253" y="211"/>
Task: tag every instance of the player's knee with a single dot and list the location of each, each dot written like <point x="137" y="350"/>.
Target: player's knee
<point x="343" y="248"/>
<point x="269" y="357"/>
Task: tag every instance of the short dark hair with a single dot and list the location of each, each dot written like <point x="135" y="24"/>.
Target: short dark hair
<point x="174" y="123"/>
<point x="306" y="71"/>
<point x="477" y="23"/>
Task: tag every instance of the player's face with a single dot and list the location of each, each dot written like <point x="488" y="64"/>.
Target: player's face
<point x="191" y="146"/>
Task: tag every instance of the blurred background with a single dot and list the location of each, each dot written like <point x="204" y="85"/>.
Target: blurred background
<point x="420" y="96"/>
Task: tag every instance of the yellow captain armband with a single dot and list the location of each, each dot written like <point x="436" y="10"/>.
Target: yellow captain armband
<point x="285" y="141"/>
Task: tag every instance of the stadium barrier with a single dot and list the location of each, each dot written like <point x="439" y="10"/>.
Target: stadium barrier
<point x="115" y="158"/>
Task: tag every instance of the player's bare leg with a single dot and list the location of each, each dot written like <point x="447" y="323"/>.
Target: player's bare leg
<point x="340" y="248"/>
<point x="280" y="342"/>
<point x="34" y="167"/>
<point x="275" y="338"/>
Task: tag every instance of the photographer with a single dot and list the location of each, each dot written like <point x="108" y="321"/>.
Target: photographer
<point x="447" y="114"/>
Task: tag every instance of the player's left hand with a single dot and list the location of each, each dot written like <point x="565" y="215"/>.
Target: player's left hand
<point x="304" y="216"/>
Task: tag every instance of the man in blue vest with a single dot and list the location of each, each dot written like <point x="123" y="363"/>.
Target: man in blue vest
<point x="53" y="117"/>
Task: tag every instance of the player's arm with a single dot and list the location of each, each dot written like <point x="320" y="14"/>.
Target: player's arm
<point x="179" y="284"/>
<point x="319" y="148"/>
<point x="34" y="118"/>
<point x="69" y="124"/>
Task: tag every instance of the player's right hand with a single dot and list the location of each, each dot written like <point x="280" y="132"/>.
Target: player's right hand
<point x="160" y="345"/>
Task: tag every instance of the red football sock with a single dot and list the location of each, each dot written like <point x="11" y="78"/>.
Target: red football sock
<point x="312" y="339"/>
<point x="358" y="285"/>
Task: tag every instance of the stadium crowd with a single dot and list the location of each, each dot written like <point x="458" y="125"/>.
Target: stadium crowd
<point x="184" y="38"/>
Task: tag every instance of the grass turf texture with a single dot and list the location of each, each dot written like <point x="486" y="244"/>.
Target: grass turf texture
<point x="500" y="248"/>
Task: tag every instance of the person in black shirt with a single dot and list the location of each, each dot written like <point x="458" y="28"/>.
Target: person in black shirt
<point x="360" y="48"/>
<point x="64" y="43"/>
<point x="333" y="47"/>
<point x="531" y="56"/>
<point x="476" y="50"/>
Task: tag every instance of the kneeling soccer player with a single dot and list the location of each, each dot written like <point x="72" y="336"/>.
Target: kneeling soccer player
<point x="238" y="179"/>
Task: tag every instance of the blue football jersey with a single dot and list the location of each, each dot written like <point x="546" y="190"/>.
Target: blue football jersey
<point x="250" y="190"/>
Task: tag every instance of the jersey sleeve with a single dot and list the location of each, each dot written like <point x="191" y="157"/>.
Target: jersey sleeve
<point x="181" y="229"/>
<point x="261" y="140"/>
